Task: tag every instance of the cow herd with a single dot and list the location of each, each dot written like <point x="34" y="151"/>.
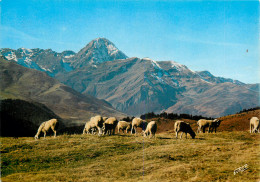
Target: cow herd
<point x="107" y="126"/>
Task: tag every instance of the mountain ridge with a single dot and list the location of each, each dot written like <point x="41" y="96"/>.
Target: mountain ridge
<point x="138" y="86"/>
<point x="53" y="62"/>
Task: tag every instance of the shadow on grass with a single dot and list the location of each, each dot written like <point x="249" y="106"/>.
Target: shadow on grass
<point x="200" y="139"/>
<point x="166" y="138"/>
<point x="120" y="135"/>
<point x="124" y="135"/>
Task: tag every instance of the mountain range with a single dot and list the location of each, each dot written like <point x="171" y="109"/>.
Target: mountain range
<point x="136" y="86"/>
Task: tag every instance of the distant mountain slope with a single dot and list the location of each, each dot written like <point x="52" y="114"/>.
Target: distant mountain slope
<point x="22" y="118"/>
<point x="19" y="82"/>
<point x="138" y="86"/>
<point x="218" y="100"/>
<point x="123" y="83"/>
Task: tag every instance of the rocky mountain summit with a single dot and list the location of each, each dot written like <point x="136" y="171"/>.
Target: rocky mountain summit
<point x="97" y="51"/>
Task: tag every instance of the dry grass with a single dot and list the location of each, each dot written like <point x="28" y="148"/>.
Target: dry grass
<point x="238" y="122"/>
<point x="209" y="157"/>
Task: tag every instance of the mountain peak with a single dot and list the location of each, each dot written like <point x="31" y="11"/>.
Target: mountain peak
<point x="103" y="43"/>
<point x="100" y="39"/>
<point x="97" y="51"/>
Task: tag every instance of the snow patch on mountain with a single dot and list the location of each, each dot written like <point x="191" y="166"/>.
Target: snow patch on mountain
<point x="27" y="62"/>
<point x="112" y="49"/>
<point x="70" y="56"/>
<point x="24" y="58"/>
<point x="178" y="66"/>
<point x="26" y="52"/>
<point x="46" y="69"/>
<point x="161" y="75"/>
<point x="159" y="72"/>
<point x="158" y="78"/>
<point x="154" y="63"/>
<point x="10" y="55"/>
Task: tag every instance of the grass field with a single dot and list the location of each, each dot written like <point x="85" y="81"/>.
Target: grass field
<point x="209" y="157"/>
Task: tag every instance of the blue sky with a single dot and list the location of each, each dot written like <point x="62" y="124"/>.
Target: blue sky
<point x="203" y="35"/>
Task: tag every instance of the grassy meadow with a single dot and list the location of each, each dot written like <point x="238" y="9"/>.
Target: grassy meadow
<point x="209" y="157"/>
